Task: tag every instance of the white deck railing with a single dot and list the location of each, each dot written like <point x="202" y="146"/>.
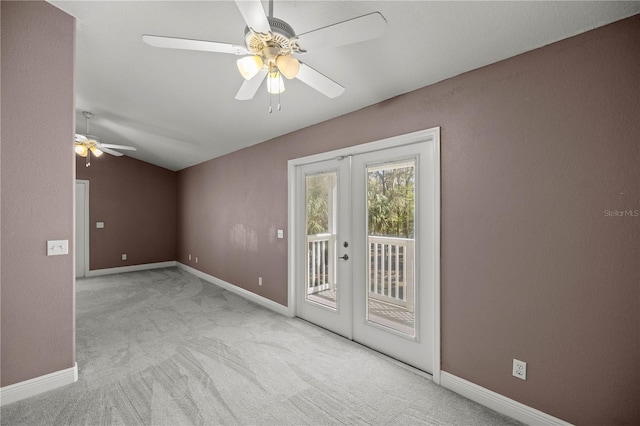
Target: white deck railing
<point x="390" y="266"/>
<point x="391" y="270"/>
<point x="320" y="263"/>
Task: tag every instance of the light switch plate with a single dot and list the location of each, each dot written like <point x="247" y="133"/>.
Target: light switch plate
<point x="57" y="247"/>
<point x="280" y="233"/>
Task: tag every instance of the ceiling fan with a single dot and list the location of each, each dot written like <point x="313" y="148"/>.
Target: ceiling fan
<point x="270" y="44"/>
<point x="87" y="144"/>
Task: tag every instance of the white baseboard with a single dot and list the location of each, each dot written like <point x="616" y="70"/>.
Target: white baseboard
<point x="262" y="301"/>
<point x="37" y="385"/>
<point x="132" y="268"/>
<point x="497" y="402"/>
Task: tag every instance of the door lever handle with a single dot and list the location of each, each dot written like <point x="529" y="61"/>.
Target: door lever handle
<point x="345" y="257"/>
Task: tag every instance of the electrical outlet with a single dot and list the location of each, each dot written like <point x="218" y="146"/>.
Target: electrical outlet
<point x="259" y="280"/>
<point x="196" y="259"/>
<point x="519" y="369"/>
<point x="189" y="257"/>
<point x="124" y="256"/>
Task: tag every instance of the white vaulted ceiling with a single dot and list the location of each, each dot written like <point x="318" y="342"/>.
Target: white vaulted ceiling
<point x="179" y="109"/>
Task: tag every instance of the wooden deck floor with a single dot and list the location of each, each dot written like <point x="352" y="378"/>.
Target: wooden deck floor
<point x="382" y="313"/>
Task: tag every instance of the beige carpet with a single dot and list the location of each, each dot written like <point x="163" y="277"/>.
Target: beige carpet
<point x="163" y="347"/>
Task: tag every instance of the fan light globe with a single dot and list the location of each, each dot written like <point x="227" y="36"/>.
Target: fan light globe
<point x="288" y="66"/>
<point x="95" y="151"/>
<point x="275" y="84"/>
<point x="81" y="150"/>
<point x="249" y="66"/>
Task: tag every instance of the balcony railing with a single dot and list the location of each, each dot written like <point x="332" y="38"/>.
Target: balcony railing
<point x="321" y="263"/>
<point x="390" y="264"/>
<point x="391" y="270"/>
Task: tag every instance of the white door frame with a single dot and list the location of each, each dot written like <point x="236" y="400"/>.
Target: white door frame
<point x="430" y="135"/>
<point x="85" y="183"/>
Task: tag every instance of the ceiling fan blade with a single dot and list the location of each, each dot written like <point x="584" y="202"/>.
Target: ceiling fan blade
<point x="110" y="151"/>
<point x="189" y="44"/>
<point x="80" y="138"/>
<point x="112" y="146"/>
<point x="319" y="81"/>
<point x="250" y="87"/>
<point x="253" y="14"/>
<point x="365" y="27"/>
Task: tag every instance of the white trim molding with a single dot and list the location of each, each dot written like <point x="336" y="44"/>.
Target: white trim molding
<point x="497" y="402"/>
<point x="437" y="250"/>
<point x="132" y="268"/>
<point x="37" y="385"/>
<point x="262" y="301"/>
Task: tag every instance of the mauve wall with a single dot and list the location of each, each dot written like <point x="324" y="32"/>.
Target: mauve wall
<point x="38" y="314"/>
<point x="137" y="203"/>
<point x="535" y="149"/>
<point x="229" y="210"/>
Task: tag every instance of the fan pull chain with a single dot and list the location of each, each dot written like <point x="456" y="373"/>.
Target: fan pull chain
<point x="88" y="159"/>
<point x="271" y="98"/>
<point x="279" y="105"/>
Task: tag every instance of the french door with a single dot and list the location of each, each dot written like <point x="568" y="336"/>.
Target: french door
<point x="366" y="245"/>
<point x="324" y="270"/>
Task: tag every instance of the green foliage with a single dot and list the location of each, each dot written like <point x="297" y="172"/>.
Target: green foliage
<point x="391" y="201"/>
<point x="318" y="187"/>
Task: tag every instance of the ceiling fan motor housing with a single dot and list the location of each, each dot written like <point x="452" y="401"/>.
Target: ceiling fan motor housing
<point x="264" y="44"/>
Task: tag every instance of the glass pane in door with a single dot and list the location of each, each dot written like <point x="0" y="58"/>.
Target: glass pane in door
<point x="391" y="246"/>
<point x="321" y="286"/>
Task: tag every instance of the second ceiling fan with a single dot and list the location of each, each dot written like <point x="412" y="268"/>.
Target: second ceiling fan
<point x="87" y="144"/>
<point x="270" y="44"/>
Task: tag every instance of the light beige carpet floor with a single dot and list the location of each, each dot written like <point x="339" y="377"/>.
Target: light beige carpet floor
<point x="163" y="347"/>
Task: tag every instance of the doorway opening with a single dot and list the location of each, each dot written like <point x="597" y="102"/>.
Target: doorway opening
<point x="82" y="228"/>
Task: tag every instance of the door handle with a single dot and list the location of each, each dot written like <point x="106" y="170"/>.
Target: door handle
<point x="345" y="257"/>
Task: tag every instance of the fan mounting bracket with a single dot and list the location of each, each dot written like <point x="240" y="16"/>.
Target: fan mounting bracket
<point x="277" y="42"/>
